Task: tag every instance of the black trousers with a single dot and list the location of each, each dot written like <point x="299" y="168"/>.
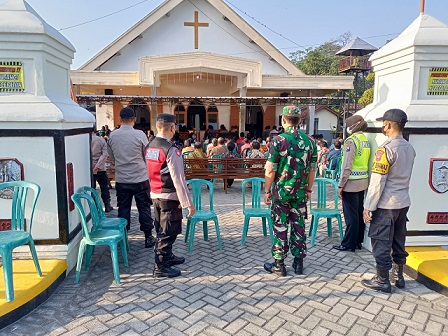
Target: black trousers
<point x="140" y="191"/>
<point x="168" y="224"/>
<point x="103" y="181"/>
<point x="352" y="206"/>
<point x="388" y="232"/>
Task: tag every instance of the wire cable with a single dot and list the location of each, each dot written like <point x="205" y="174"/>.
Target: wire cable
<point x="102" y="17"/>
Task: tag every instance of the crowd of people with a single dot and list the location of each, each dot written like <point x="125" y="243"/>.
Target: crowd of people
<point x="150" y="169"/>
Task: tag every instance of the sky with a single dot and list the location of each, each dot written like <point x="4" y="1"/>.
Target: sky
<point x="290" y="25"/>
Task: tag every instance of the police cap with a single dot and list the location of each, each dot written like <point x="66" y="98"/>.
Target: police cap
<point x="396" y="115"/>
<point x="166" y="118"/>
<point x="127" y="112"/>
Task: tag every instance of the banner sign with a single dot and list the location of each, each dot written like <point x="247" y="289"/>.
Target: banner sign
<point x="438" y="82"/>
<point x="11" y="77"/>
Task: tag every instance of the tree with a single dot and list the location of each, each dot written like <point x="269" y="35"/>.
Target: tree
<point x="321" y="60"/>
<point x="367" y="96"/>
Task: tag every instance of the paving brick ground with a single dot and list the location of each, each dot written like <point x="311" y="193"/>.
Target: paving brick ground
<point x="227" y="292"/>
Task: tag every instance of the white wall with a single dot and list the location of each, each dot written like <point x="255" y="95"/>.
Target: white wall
<point x="169" y="36"/>
<point x="327" y="120"/>
<point x="37" y="157"/>
<point x="105" y="115"/>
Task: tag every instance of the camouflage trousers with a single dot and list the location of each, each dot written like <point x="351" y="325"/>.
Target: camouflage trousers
<point x="284" y="216"/>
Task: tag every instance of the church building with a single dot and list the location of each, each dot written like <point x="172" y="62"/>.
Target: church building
<point x="201" y="61"/>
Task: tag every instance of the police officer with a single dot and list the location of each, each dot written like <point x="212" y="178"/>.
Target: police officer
<point x="169" y="193"/>
<point x="98" y="148"/>
<point x="387" y="202"/>
<point x="290" y="170"/>
<point x="353" y="182"/>
<point x="126" y="147"/>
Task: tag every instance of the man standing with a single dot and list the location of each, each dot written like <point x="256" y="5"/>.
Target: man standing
<point x="290" y="169"/>
<point x="169" y="193"/>
<point x="126" y="147"/>
<point x="388" y="201"/>
<point x="353" y="182"/>
<point x="98" y="149"/>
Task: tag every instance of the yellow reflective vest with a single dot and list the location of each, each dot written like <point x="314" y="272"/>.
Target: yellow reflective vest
<point x="360" y="167"/>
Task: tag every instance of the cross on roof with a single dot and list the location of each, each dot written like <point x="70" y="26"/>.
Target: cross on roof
<point x="196" y="24"/>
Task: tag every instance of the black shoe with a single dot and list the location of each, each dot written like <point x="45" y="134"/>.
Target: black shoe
<point x="176" y="260"/>
<point x="278" y="267"/>
<point x="359" y="246"/>
<point x="397" y="276"/>
<point x="165" y="271"/>
<point x="108" y="207"/>
<point x="150" y="241"/>
<point x="379" y="282"/>
<point x="298" y="266"/>
<point x="343" y="248"/>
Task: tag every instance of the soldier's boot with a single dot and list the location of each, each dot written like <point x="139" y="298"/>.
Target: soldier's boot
<point x="150" y="241"/>
<point x="174" y="260"/>
<point x="379" y="282"/>
<point x="298" y="265"/>
<point x="277" y="267"/>
<point x="397" y="276"/>
<point x="165" y="270"/>
<point x="107" y="206"/>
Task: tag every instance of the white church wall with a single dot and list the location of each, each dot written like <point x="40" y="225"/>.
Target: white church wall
<point x="169" y="36"/>
<point x="105" y="115"/>
<point x="327" y="121"/>
<point x="224" y="116"/>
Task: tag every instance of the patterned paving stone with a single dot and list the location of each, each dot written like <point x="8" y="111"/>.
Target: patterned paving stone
<point x="227" y="292"/>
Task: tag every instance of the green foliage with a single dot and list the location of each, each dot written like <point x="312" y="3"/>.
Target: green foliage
<point x="321" y="60"/>
<point x="371" y="77"/>
<point x="367" y="97"/>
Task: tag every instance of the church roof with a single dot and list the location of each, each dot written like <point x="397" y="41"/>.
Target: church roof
<point x="164" y="9"/>
<point x="356" y="47"/>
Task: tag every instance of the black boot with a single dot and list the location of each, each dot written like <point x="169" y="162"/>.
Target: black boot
<point x="174" y="260"/>
<point x="107" y="206"/>
<point x="165" y="270"/>
<point x="397" y="276"/>
<point x="298" y="265"/>
<point x="277" y="267"/>
<point x="379" y="282"/>
<point x="150" y="241"/>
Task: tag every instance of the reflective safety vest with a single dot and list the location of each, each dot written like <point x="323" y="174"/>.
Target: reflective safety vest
<point x="360" y="167"/>
<point x="159" y="175"/>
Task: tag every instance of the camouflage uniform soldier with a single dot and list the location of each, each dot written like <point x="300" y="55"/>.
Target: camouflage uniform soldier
<point x="290" y="169"/>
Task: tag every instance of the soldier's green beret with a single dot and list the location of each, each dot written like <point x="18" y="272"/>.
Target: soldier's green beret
<point x="291" y="111"/>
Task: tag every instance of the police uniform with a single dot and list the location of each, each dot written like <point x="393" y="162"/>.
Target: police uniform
<point x="353" y="181"/>
<point x="126" y="147"/>
<point x="98" y="149"/>
<point x="388" y="199"/>
<point x="170" y="194"/>
<point x="292" y="155"/>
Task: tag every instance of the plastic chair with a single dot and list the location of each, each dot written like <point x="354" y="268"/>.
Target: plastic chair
<point x="97" y="236"/>
<point x="116" y="223"/>
<point x="17" y="236"/>
<point x="322" y="211"/>
<point x="186" y="153"/>
<point x="201" y="214"/>
<point x="334" y="173"/>
<point x="255" y="210"/>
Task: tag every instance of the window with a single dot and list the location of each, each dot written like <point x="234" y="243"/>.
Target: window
<point x="180" y="114"/>
<point x="212" y="116"/>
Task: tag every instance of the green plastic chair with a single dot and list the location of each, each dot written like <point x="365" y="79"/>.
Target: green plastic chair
<point x="97" y="236"/>
<point x="116" y="223"/>
<point x="201" y="214"/>
<point x="186" y="153"/>
<point x="320" y="210"/>
<point x="333" y="173"/>
<point x="255" y="210"/>
<point x="17" y="236"/>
